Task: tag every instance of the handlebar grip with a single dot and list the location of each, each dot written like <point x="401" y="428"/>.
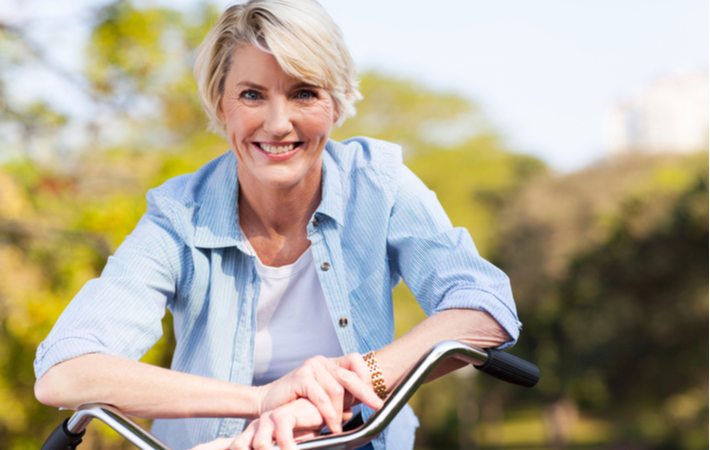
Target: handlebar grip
<point x="509" y="368"/>
<point x="63" y="439"/>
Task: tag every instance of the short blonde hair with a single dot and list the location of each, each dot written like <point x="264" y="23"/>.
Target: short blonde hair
<point x="300" y="34"/>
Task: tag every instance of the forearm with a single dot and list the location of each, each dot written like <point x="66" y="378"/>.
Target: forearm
<point x="142" y="390"/>
<point x="471" y="327"/>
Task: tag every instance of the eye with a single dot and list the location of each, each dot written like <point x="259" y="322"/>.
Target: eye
<point x="306" y="94"/>
<point x="250" y="95"/>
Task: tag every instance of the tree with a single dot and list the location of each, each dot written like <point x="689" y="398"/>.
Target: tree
<point x="617" y="320"/>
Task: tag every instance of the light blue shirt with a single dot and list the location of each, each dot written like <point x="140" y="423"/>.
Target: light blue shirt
<point x="377" y="224"/>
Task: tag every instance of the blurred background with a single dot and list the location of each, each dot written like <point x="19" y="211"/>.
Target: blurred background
<point x="569" y="138"/>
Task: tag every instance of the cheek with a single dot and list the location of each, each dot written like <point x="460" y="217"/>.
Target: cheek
<point x="319" y="121"/>
<point x="241" y="123"/>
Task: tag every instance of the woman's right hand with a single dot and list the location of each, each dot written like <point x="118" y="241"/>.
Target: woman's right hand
<point x="284" y="426"/>
<point x="331" y="385"/>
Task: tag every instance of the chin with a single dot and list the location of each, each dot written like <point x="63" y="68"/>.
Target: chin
<point x="281" y="181"/>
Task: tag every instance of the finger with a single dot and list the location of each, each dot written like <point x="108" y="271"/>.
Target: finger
<point x="320" y="399"/>
<point x="362" y="391"/>
<point x="244" y="440"/>
<point x="316" y="393"/>
<point x="217" y="444"/>
<point x="354" y="363"/>
<point x="264" y="436"/>
<point x="285" y="423"/>
<point x="335" y="391"/>
<point x="301" y="436"/>
<point x="347" y="415"/>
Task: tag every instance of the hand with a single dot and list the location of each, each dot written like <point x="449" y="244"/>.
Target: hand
<point x="285" y="425"/>
<point x="217" y="444"/>
<point x="331" y="385"/>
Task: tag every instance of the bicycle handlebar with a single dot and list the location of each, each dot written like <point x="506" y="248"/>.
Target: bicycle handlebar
<point x="495" y="362"/>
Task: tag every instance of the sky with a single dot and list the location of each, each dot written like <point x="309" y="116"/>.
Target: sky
<point x="544" y="71"/>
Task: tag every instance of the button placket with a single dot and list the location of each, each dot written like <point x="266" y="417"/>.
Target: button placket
<point x="332" y="283"/>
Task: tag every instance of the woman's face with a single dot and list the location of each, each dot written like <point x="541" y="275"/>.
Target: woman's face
<point x="276" y="124"/>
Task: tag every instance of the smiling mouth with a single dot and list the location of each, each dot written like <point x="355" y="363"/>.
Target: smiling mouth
<point x="277" y="149"/>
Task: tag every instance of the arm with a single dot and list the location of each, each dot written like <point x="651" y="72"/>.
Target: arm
<point x="92" y="351"/>
<point x="143" y="390"/>
<point x="471" y="327"/>
<point x="467" y="298"/>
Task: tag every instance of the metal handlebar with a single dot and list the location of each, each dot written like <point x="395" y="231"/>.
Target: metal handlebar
<point x="498" y="364"/>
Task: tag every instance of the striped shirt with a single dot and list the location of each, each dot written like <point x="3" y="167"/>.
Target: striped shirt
<point x="377" y="223"/>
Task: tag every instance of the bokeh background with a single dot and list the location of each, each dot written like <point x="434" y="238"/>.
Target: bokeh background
<point x="569" y="138"/>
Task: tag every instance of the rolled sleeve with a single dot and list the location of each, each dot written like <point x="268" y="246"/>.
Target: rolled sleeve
<point x="481" y="300"/>
<point x="440" y="264"/>
<point x="120" y="313"/>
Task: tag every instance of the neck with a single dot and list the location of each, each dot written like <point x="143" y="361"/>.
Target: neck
<point x="270" y="211"/>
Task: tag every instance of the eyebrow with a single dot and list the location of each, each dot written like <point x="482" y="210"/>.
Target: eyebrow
<point x="262" y="88"/>
<point x="251" y="85"/>
<point x="305" y="85"/>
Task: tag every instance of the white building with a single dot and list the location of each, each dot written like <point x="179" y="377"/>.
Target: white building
<point x="670" y="115"/>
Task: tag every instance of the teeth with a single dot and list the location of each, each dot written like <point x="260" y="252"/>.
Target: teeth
<point x="276" y="149"/>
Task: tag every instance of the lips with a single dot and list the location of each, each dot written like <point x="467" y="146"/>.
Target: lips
<point x="278" y="151"/>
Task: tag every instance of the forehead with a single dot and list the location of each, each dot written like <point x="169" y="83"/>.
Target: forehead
<point x="250" y="64"/>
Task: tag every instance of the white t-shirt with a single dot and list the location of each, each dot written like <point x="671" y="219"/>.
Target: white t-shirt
<point x="293" y="321"/>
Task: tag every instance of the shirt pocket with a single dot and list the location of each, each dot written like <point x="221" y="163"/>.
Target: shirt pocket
<point x="371" y="308"/>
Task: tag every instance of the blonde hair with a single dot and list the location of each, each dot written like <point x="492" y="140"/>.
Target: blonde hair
<point x="300" y="34"/>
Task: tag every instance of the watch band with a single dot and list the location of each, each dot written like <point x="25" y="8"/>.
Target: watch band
<point x="378" y="381"/>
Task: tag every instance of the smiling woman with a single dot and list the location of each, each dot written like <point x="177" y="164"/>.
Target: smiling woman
<point x="278" y="127"/>
<point x="277" y="261"/>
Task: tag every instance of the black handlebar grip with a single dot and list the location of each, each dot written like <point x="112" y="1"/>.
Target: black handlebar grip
<point x="63" y="439"/>
<point x="512" y="369"/>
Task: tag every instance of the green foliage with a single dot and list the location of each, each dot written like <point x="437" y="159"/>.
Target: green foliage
<point x="621" y="326"/>
<point x="411" y="115"/>
<point x="126" y="45"/>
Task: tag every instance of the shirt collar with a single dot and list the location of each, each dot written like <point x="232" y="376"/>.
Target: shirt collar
<point x="333" y="202"/>
<point x="217" y="217"/>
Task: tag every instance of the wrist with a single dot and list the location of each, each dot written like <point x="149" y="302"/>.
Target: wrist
<point x="258" y="402"/>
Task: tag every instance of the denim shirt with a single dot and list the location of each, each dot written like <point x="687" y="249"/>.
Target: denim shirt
<point x="377" y="223"/>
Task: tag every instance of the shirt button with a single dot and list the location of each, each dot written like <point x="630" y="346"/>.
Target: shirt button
<point x="343" y="322"/>
<point x="315" y="222"/>
<point x="324" y="267"/>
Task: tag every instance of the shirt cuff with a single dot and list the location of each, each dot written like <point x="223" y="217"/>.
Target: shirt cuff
<point x="49" y="355"/>
<point x="485" y="301"/>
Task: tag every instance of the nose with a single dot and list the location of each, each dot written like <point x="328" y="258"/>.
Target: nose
<point x="278" y="121"/>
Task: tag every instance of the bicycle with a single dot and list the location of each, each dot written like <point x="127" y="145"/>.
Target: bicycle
<point x="501" y="365"/>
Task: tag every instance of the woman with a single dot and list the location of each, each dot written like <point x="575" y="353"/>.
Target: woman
<point x="276" y="260"/>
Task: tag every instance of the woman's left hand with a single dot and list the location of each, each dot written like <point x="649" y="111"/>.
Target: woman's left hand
<point x="297" y="420"/>
<point x="331" y="385"/>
